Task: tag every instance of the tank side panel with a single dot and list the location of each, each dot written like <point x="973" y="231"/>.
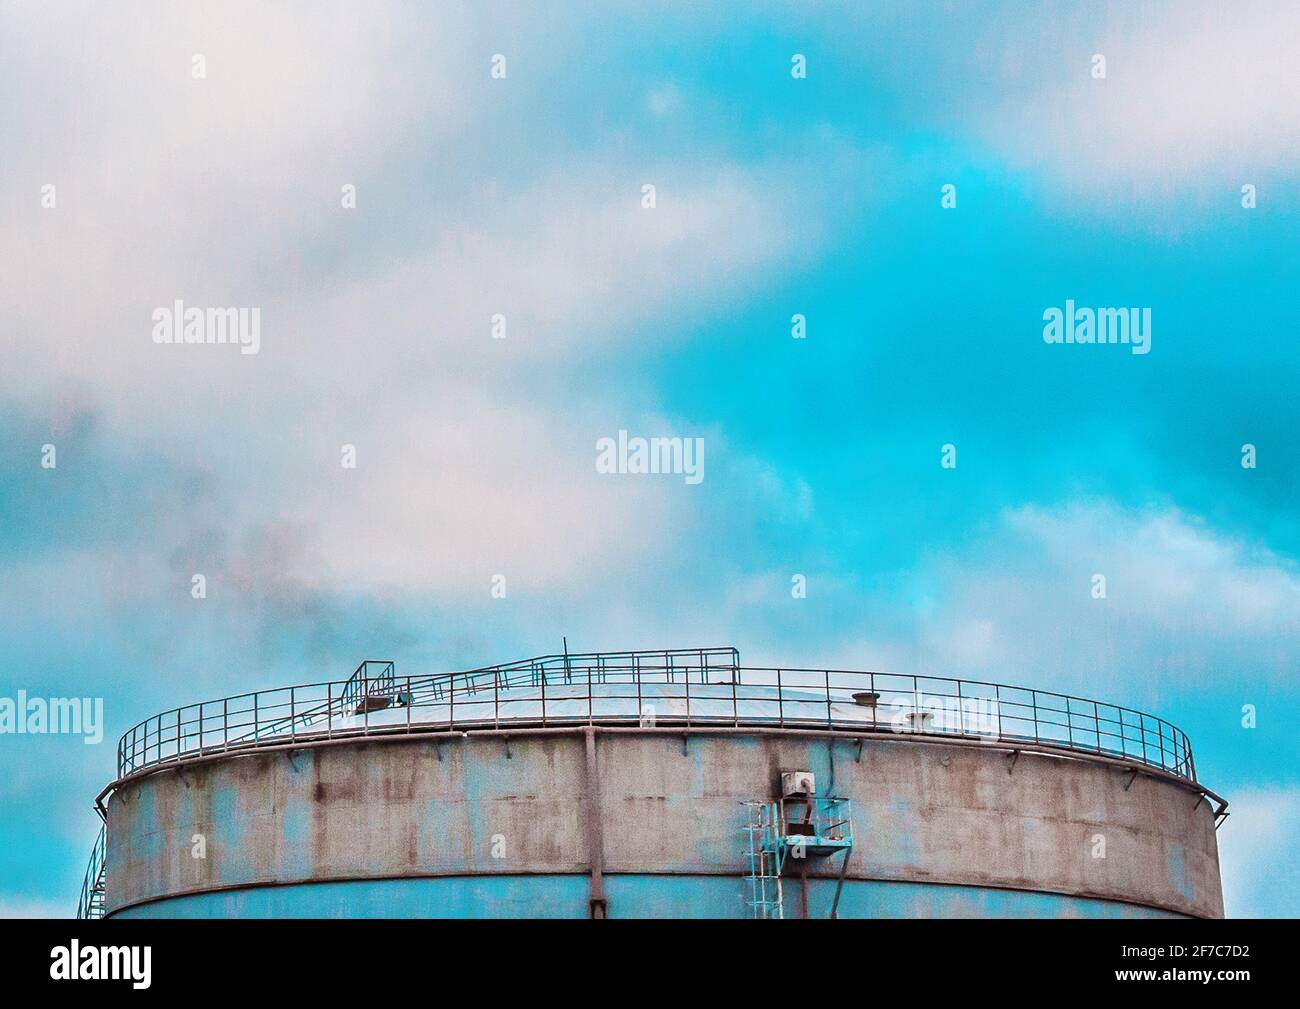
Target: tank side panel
<point x="494" y="806"/>
<point x="630" y="896"/>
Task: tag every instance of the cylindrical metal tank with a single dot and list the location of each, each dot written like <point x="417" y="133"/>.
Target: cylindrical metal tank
<point x="566" y="814"/>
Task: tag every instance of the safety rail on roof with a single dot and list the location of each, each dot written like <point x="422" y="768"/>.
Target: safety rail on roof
<point x="690" y="687"/>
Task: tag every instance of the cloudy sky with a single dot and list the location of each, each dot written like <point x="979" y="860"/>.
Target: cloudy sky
<point x="522" y="197"/>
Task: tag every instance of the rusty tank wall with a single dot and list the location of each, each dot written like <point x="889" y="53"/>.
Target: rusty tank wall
<point x="490" y="825"/>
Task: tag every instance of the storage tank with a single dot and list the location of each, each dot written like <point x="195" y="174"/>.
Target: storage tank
<point x="671" y="783"/>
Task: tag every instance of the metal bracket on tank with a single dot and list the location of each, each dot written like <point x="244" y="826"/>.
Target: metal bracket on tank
<point x="1013" y="756"/>
<point x="1220" y="814"/>
<point x="1132" y="776"/>
<point x="858" y="758"/>
<point x="289" y="755"/>
<point x="509" y="756"/>
<point x="685" y="739"/>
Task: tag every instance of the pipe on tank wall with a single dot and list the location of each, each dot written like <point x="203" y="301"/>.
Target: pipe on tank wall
<point x="595" y="830"/>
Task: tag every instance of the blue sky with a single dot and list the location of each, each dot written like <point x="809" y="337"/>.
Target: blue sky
<point x="774" y="196"/>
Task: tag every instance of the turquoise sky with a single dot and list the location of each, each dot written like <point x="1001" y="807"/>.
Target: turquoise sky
<point x="774" y="196"/>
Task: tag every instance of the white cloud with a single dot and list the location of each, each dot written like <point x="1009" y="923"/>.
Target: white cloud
<point x="445" y="497"/>
<point x="1181" y="599"/>
<point x="1259" y="845"/>
<point x="1184" y="604"/>
<point x="170" y="177"/>
<point x="1197" y="97"/>
<point x="476" y="454"/>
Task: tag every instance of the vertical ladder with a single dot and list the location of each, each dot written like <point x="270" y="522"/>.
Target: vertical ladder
<point x="764" y="861"/>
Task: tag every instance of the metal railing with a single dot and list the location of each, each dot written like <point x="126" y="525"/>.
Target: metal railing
<point x="688" y="687"/>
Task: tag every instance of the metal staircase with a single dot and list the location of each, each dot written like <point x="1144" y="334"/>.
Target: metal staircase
<point x="91" y="902"/>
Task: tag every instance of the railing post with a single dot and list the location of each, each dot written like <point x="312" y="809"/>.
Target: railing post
<point x="329" y="709"/>
<point x="410" y="701"/>
<point x="293" y="720"/>
<point x="1033" y="696"/>
<point x="829" y="720"/>
<point x="589" y="703"/>
<point x="961" y="713"/>
<point x="496" y="701"/>
<point x="780" y="701"/>
<point x="543" y="674"/>
<point x="225" y="723"/>
<point x="1096" y="724"/>
<point x="688" y="691"/>
<point x="636" y="675"/>
<point x="178" y="734"/>
<point x="451" y="700"/>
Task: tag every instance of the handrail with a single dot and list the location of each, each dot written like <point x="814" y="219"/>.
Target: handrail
<point x="691" y="686"/>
